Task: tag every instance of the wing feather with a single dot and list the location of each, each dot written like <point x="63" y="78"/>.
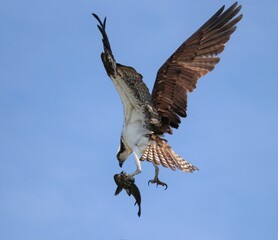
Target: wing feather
<point x="128" y="82"/>
<point x="193" y="59"/>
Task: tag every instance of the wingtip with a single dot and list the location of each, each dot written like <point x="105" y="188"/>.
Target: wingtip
<point x="221" y="9"/>
<point x="240" y="17"/>
<point x="234" y="6"/>
<point x="95" y="16"/>
<point x="102" y="24"/>
<point x="139" y="211"/>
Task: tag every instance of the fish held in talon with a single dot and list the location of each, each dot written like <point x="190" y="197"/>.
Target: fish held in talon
<point x="124" y="181"/>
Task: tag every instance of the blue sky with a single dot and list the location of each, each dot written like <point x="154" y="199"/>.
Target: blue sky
<point x="61" y="118"/>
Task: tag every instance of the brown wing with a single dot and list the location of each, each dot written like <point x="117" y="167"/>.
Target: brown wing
<point x="193" y="59"/>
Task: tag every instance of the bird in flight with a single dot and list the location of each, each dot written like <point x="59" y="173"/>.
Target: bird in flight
<point x="148" y="116"/>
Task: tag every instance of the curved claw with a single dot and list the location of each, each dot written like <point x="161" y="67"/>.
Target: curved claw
<point x="158" y="182"/>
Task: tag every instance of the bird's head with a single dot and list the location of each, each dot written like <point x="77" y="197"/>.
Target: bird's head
<point x="123" y="153"/>
<point x="121" y="156"/>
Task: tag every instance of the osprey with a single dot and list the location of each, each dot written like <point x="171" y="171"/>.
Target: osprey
<point x="147" y="116"/>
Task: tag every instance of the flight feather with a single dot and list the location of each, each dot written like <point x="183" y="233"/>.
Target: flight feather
<point x="197" y="56"/>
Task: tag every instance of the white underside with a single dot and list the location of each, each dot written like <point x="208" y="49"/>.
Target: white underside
<point x="134" y="132"/>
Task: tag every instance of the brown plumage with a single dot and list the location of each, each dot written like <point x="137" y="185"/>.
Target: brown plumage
<point x="160" y="152"/>
<point x="149" y="116"/>
<point x="192" y="60"/>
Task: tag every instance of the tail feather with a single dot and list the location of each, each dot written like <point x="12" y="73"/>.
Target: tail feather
<point x="150" y="153"/>
<point x="167" y="158"/>
<point x="163" y="160"/>
<point x="160" y="152"/>
<point x="155" y="155"/>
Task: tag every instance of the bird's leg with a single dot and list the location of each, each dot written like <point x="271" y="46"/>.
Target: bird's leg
<point x="136" y="154"/>
<point x="156" y="180"/>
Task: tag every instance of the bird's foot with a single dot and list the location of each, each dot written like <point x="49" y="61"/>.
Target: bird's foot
<point x="127" y="177"/>
<point x="158" y="182"/>
<point x="125" y="180"/>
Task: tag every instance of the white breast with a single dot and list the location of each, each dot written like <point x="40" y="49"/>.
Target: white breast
<point x="134" y="131"/>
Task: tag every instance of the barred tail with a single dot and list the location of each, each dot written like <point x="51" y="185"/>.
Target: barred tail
<point x="160" y="152"/>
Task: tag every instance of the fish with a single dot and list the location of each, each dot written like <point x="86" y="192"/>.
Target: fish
<point x="126" y="182"/>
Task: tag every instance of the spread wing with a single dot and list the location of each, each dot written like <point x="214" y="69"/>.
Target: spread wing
<point x="128" y="82"/>
<point x="192" y="60"/>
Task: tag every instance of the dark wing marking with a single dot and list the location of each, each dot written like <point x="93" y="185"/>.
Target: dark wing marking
<point x="107" y="56"/>
<point x="193" y="59"/>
